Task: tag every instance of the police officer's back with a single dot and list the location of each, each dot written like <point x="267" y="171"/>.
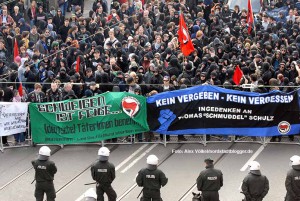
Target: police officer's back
<point x="151" y="179"/>
<point x="44" y="175"/>
<point x="210" y="181"/>
<point x="255" y="186"/>
<point x="292" y="181"/>
<point x="103" y="172"/>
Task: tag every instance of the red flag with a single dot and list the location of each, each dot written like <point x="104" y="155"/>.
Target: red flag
<point x="250" y="19"/>
<point x="16" y="49"/>
<point x="78" y="64"/>
<point x="237" y="76"/>
<point x="166" y="64"/>
<point x="186" y="44"/>
<point x="20" y="89"/>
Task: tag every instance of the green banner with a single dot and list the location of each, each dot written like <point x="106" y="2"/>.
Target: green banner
<point x="105" y="116"/>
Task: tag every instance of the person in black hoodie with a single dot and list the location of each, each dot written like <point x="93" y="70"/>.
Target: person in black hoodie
<point x="187" y="72"/>
<point x="71" y="58"/>
<point x="58" y="20"/>
<point x="156" y="80"/>
<point x="105" y="85"/>
<point x="174" y="67"/>
<point x="64" y="29"/>
<point x="200" y="78"/>
<point x="63" y="75"/>
<point x="93" y="87"/>
<point x="31" y="75"/>
<point x="75" y="87"/>
<point x="40" y="17"/>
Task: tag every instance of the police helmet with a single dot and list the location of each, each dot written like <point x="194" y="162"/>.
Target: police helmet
<point x="254" y="165"/>
<point x="295" y="160"/>
<point x="44" y="153"/>
<point x="103" y="151"/>
<point x="90" y="195"/>
<point x="152" y="160"/>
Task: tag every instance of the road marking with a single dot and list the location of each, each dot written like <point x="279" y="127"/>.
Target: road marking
<point x="121" y="164"/>
<point x="131" y="156"/>
<point x="128" y="191"/>
<point x="138" y="158"/>
<point x="21" y="174"/>
<point x="14" y="179"/>
<point x="79" y="175"/>
<point x="82" y="196"/>
<point x="253" y="157"/>
<point x="189" y="192"/>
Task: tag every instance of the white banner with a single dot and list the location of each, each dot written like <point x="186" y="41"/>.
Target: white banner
<point x="13" y="118"/>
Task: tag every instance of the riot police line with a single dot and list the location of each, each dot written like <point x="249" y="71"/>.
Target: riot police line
<point x="255" y="185"/>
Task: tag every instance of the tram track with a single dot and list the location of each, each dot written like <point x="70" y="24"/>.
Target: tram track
<point x="132" y="187"/>
<point x="114" y="147"/>
<point x="25" y="171"/>
<point x="190" y="190"/>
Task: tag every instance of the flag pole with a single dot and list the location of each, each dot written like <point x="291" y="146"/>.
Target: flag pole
<point x="251" y="20"/>
<point x="254" y="29"/>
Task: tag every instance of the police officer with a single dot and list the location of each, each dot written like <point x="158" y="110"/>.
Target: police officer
<point x="44" y="175"/>
<point x="255" y="186"/>
<point x="103" y="172"/>
<point x="210" y="181"/>
<point x="151" y="179"/>
<point x="90" y="195"/>
<point x="292" y="181"/>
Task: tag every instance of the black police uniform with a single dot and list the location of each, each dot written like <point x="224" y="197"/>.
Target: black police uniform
<point x="152" y="179"/>
<point x="103" y="172"/>
<point x="44" y="176"/>
<point x="255" y="186"/>
<point x="209" y="182"/>
<point x="292" y="184"/>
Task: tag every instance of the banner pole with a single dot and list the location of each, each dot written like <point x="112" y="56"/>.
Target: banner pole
<point x="264" y="141"/>
<point x="1" y="145"/>
<point x="232" y="138"/>
<point x="29" y="133"/>
<point x="165" y="140"/>
<point x="102" y="143"/>
<point x="204" y="140"/>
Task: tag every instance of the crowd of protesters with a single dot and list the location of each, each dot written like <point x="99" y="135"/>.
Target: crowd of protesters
<point x="133" y="46"/>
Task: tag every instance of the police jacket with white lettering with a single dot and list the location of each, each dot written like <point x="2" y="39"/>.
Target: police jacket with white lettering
<point x="103" y="172"/>
<point x="44" y="170"/>
<point x="292" y="183"/>
<point x="255" y="185"/>
<point x="210" y="179"/>
<point x="151" y="178"/>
